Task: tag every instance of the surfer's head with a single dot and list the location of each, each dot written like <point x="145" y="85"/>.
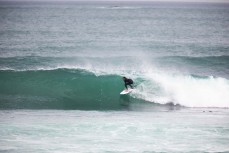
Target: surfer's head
<point x="124" y="78"/>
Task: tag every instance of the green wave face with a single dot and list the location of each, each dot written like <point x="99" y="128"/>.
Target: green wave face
<point x="59" y="89"/>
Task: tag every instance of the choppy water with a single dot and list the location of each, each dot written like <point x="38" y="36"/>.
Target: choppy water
<point x="72" y="56"/>
<point x="190" y="130"/>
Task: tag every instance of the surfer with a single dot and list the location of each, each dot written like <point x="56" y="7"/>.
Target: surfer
<point x="128" y="82"/>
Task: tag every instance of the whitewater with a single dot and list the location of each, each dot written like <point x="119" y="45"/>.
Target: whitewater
<point x="61" y="69"/>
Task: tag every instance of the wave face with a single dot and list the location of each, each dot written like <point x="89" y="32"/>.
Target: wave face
<point x="59" y="89"/>
<point x="80" y="89"/>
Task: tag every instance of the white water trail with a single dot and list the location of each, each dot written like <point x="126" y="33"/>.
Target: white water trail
<point x="185" y="90"/>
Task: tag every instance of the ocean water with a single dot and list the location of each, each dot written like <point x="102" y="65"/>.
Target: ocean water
<point x="61" y="68"/>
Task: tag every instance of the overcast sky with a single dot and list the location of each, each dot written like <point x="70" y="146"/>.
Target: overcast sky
<point x="133" y="0"/>
<point x="224" y="1"/>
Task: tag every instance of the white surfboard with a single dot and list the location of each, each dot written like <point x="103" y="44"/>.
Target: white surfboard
<point x="126" y="91"/>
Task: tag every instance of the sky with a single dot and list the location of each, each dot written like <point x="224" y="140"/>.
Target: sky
<point x="224" y="1"/>
<point x="200" y="1"/>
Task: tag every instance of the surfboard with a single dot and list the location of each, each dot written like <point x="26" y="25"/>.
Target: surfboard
<point x="126" y="91"/>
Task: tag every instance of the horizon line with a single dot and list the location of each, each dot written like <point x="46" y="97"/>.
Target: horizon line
<point x="121" y="1"/>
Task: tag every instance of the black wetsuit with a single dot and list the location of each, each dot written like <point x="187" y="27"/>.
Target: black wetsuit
<point x="128" y="82"/>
